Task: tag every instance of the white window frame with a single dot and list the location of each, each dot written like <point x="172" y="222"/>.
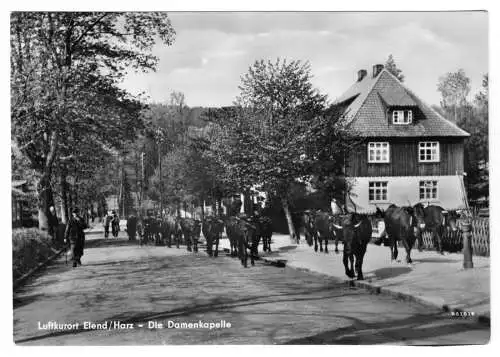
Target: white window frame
<point x="429" y="145"/>
<point x="380" y="147"/>
<point x="430" y="189"/>
<point x="378" y="185"/>
<point x="402" y="117"/>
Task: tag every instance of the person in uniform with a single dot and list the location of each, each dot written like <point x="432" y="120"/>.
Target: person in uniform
<point x="107" y="222"/>
<point x="53" y="223"/>
<point x="75" y="236"/>
<point x="132" y="226"/>
<point x="115" y="224"/>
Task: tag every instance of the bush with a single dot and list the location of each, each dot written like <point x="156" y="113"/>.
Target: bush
<point x="30" y="247"/>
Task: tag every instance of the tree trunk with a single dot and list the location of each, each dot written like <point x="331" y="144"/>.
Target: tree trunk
<point x="202" y="216"/>
<point x="219" y="211"/>
<point x="45" y="200"/>
<point x="45" y="197"/>
<point x="288" y="215"/>
<point x="248" y="203"/>
<point x="64" y="197"/>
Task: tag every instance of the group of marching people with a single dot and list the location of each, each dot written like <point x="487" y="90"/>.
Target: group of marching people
<point x="111" y="220"/>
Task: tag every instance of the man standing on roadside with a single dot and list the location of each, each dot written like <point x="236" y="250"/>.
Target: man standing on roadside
<point x="75" y="236"/>
<point x="107" y="223"/>
<point x="53" y="223"/>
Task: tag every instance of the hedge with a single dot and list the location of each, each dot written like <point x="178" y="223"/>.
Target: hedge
<point x="30" y="247"/>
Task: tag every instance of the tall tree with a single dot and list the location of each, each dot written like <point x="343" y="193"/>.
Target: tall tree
<point x="473" y="118"/>
<point x="391" y="66"/>
<point x="267" y="138"/>
<point x="65" y="71"/>
<point x="454" y="88"/>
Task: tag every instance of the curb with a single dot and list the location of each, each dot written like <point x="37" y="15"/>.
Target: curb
<point x="29" y="274"/>
<point x="374" y="289"/>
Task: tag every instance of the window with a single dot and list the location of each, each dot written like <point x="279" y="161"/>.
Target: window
<point x="378" y="152"/>
<point x="402" y="116"/>
<point x="377" y="191"/>
<point x="428" y="190"/>
<point x="428" y="151"/>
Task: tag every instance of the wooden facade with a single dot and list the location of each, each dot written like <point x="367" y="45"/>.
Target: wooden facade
<point x="403" y="153"/>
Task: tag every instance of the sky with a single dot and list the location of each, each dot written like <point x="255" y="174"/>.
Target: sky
<point x="213" y="49"/>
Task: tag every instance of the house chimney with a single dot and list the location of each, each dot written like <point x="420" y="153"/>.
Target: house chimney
<point x="361" y="74"/>
<point x="377" y="69"/>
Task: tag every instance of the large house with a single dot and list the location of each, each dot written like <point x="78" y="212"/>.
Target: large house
<point x="410" y="153"/>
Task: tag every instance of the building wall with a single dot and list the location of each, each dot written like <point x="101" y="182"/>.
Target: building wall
<point x="404" y="159"/>
<point x="403" y="191"/>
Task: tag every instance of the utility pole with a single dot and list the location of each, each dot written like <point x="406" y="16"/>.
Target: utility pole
<point x="159" y="168"/>
<point x="142" y="183"/>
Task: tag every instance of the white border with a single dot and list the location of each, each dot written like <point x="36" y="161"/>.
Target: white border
<point x="261" y="5"/>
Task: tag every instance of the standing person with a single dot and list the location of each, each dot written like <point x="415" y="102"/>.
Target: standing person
<point x="53" y="223"/>
<point x="115" y="224"/>
<point x="75" y="236"/>
<point x="107" y="222"/>
<point x="131" y="226"/>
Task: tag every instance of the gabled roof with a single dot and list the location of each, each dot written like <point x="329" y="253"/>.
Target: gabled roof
<point x="367" y="102"/>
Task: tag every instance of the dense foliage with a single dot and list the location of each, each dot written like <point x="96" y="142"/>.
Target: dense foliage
<point x="472" y="117"/>
<point x="67" y="108"/>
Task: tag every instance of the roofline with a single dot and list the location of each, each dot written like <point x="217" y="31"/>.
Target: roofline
<point x="465" y="134"/>
<point x="366" y="96"/>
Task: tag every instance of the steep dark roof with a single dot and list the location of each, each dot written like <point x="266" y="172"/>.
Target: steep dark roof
<point x="370" y="98"/>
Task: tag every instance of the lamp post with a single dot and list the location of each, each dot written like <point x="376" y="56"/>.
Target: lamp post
<point x="467" y="244"/>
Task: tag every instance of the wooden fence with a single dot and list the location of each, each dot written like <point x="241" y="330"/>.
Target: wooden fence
<point x="452" y="241"/>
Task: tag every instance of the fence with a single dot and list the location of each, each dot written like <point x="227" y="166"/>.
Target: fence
<point x="452" y="241"/>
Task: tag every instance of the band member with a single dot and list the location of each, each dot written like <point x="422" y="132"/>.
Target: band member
<point x="53" y="223"/>
<point x="75" y="236"/>
<point x="115" y="224"/>
<point x="107" y="221"/>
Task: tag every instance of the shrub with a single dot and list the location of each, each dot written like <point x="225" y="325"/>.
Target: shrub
<point x="30" y="247"/>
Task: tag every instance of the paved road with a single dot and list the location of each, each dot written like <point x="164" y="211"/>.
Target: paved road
<point x="122" y="282"/>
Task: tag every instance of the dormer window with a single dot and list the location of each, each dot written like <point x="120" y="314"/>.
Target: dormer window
<point x="402" y="116"/>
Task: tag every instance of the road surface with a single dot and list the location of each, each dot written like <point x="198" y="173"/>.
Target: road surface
<point x="148" y="295"/>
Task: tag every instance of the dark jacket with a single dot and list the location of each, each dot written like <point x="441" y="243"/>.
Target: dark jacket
<point x="107" y="220"/>
<point x="74" y="229"/>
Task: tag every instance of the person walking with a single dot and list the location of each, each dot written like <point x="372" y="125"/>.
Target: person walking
<point x="115" y="224"/>
<point x="107" y="221"/>
<point x="75" y="236"/>
<point x="131" y="226"/>
<point x="53" y="223"/>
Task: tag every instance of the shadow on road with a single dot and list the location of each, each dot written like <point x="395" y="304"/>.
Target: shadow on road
<point x="287" y="248"/>
<point x="390" y="272"/>
<point x="217" y="304"/>
<point x="434" y="260"/>
<point x="109" y="242"/>
<point x="25" y="300"/>
<point x="415" y="327"/>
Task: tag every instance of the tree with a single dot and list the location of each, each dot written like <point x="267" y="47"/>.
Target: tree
<point x="454" y="88"/>
<point x="473" y="118"/>
<point x="269" y="137"/>
<point x="65" y="71"/>
<point x="391" y="66"/>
